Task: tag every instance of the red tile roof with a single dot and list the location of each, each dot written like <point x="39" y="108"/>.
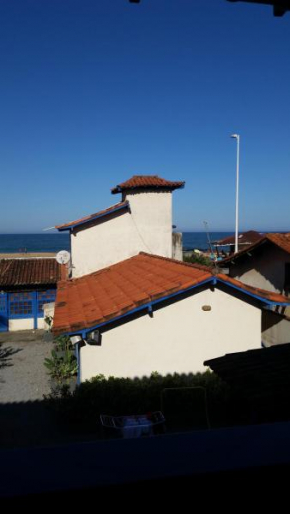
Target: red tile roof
<point x="146" y="182"/>
<point x="248" y="238"/>
<point x="105" y="295"/>
<point x="117" y="207"/>
<point x="29" y="272"/>
<point x="256" y="291"/>
<point x="280" y="240"/>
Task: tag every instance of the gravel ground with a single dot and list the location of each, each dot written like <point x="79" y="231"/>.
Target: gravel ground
<point x="25" y="421"/>
<point x="23" y="376"/>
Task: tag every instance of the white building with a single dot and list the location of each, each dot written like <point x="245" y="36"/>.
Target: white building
<point x="26" y="285"/>
<point x="148" y="313"/>
<point x="266" y="264"/>
<point x="142" y="221"/>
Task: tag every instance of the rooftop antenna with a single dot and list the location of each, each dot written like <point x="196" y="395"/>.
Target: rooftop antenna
<point x="210" y="245"/>
<point x="208" y="236"/>
<point x="64" y="257"/>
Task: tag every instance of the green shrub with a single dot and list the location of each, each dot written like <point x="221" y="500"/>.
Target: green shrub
<point x="124" y="396"/>
<point x="62" y="363"/>
<point x="198" y="259"/>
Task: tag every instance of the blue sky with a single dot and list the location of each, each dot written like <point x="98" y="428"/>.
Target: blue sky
<point x="92" y="92"/>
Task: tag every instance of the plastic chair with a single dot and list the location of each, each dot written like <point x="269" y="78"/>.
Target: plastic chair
<point x="134" y="425"/>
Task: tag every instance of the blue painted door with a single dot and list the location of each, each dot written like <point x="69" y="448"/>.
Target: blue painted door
<point x="3" y="312"/>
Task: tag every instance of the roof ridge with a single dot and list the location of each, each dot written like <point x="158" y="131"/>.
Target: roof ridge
<point x="110" y="267"/>
<point x="147" y="182"/>
<point x="141" y="176"/>
<point x="201" y="267"/>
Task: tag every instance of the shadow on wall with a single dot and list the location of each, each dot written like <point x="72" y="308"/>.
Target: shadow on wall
<point x="275" y="328"/>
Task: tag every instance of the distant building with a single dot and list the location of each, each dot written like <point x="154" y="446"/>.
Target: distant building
<point x="25" y="286"/>
<point x="142" y="221"/>
<point x="266" y="264"/>
<point x="149" y="313"/>
<point x="245" y="239"/>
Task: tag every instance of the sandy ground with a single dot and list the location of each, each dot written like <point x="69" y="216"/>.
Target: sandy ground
<point x="24" y="418"/>
<point x="23" y="376"/>
<point x="26" y="255"/>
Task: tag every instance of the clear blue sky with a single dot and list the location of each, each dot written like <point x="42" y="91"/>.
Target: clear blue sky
<point x="94" y="91"/>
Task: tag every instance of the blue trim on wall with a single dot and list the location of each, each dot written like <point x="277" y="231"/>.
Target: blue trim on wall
<point x="71" y="227"/>
<point x="148" y="305"/>
<point x="4" y="312"/>
<point x="34" y="309"/>
<point x="253" y="295"/>
<point x="145" y="306"/>
<point x="14" y="298"/>
<point x="77" y="354"/>
<point x="34" y="298"/>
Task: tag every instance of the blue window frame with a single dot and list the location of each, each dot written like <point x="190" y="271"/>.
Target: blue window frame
<point x="21" y="305"/>
<point x="29" y="304"/>
<point x="42" y="298"/>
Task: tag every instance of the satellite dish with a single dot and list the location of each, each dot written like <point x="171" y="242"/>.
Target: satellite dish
<point x="62" y="257"/>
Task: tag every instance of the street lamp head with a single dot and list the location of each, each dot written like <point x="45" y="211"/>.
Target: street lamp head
<point x="236" y="136"/>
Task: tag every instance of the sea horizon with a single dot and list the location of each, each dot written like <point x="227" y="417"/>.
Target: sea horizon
<point x="54" y="242"/>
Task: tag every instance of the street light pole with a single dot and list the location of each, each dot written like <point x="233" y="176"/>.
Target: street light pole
<point x="237" y="137"/>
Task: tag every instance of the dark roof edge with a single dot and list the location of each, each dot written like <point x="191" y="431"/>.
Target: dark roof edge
<point x="120" y="189"/>
<point x="101" y="214"/>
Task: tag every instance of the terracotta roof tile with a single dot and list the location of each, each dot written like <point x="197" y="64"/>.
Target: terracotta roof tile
<point x="86" y="219"/>
<point x="147" y="182"/>
<point x="280" y="240"/>
<point x="268" y="295"/>
<point x="28" y="272"/>
<point x="244" y="238"/>
<point x="88" y="301"/>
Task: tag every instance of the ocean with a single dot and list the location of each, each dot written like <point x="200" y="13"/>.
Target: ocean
<point x="16" y="243"/>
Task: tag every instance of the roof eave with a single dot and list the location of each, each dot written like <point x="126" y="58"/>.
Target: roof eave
<point x="120" y="189"/>
<point x="136" y="309"/>
<point x="262" y="299"/>
<point x="213" y="280"/>
<point x="62" y="228"/>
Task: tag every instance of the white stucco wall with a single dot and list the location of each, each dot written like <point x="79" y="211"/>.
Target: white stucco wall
<point x="151" y="213"/>
<point x="177" y="246"/>
<point x="275" y="328"/>
<point x="264" y="269"/>
<point x="25" y="324"/>
<point x="147" y="228"/>
<point x="179" y="338"/>
<point x="41" y="323"/>
<point x="21" y="324"/>
<point x="104" y="243"/>
<point x="48" y="311"/>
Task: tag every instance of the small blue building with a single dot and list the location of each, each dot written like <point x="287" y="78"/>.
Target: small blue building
<point x="26" y="284"/>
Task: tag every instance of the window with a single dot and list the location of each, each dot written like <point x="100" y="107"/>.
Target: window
<point x="44" y="297"/>
<point x="21" y="305"/>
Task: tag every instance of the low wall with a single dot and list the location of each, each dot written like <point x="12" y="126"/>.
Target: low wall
<point x="177" y="246"/>
<point x="21" y="324"/>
